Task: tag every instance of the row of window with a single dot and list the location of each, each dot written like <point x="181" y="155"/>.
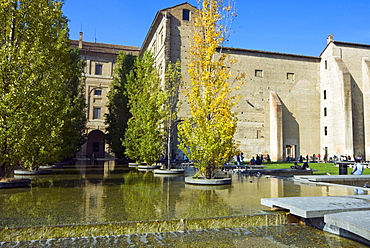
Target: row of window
<point x="259" y="73"/>
<point x="186" y="14"/>
<point x="325" y="110"/>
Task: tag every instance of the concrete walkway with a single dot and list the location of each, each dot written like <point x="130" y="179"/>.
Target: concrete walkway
<point x="355" y="222"/>
<point x="333" y="179"/>
<point x="347" y="216"/>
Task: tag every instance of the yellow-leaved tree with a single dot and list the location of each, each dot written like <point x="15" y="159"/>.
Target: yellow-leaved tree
<point x="207" y="136"/>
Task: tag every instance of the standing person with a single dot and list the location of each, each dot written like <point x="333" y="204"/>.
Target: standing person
<point x="238" y="160"/>
<point x="358" y="167"/>
<point x="241" y="158"/>
<point x="318" y="158"/>
<point x="93" y="159"/>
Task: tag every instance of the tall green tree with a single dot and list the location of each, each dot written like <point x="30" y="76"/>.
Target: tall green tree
<point x="207" y="136"/>
<point x="35" y="64"/>
<point x="73" y="134"/>
<point x="144" y="138"/>
<point x="173" y="82"/>
<point x="118" y="112"/>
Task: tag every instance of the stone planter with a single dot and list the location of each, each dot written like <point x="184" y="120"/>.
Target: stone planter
<point x="208" y="187"/>
<point x="133" y="165"/>
<point x="50" y="167"/>
<point x="209" y="182"/>
<point x="20" y="183"/>
<point x="148" y="167"/>
<point x="169" y="171"/>
<point x="32" y="173"/>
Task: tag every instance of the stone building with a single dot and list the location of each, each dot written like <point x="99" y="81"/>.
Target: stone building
<point x="291" y="105"/>
<point x="100" y="61"/>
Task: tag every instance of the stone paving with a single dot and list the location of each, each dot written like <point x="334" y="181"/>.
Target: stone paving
<point x="347" y="216"/>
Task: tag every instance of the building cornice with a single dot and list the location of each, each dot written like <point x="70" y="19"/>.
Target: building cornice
<point x="271" y="53"/>
<point x="104" y="48"/>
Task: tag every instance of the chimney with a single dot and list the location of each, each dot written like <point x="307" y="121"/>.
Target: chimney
<point x="80" y="41"/>
<point x="330" y="38"/>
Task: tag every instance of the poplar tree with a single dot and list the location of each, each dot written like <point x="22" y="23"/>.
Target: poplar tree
<point x="35" y="65"/>
<point x="144" y="138"/>
<point x="73" y="134"/>
<point x="173" y="82"/>
<point x="207" y="136"/>
<point x="118" y="112"/>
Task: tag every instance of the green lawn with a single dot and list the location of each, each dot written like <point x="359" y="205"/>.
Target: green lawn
<point x="321" y="168"/>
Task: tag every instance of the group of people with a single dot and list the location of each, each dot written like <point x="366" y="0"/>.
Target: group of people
<point x="358" y="167"/>
<point x="298" y="167"/>
<point x="258" y="160"/>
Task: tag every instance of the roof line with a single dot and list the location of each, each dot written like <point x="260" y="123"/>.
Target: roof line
<point x="105" y="44"/>
<point x="275" y="53"/>
<point x="175" y="6"/>
<point x="344" y="43"/>
<point x="155" y="19"/>
<point x="350" y="43"/>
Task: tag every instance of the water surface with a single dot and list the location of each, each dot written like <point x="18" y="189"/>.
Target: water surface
<point x="108" y="192"/>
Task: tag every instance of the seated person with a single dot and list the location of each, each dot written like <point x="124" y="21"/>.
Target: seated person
<point x="305" y="166"/>
<point x="258" y="161"/>
<point x="253" y="161"/>
<point x="357" y="167"/>
<point x="296" y="166"/>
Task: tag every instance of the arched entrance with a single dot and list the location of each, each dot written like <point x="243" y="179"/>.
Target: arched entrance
<point x="96" y="144"/>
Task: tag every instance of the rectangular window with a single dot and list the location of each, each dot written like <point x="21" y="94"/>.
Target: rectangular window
<point x="98" y="69"/>
<point x="326" y="64"/>
<point x="154" y="47"/>
<point x="324" y="94"/>
<point x="325" y="112"/>
<point x="290" y="76"/>
<point x="97" y="92"/>
<point x="325" y="131"/>
<point x="258" y="73"/>
<point x="161" y="38"/>
<point x="97" y="112"/>
<point x="186" y="15"/>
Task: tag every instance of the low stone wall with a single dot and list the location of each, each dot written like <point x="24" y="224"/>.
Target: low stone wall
<point x="124" y="228"/>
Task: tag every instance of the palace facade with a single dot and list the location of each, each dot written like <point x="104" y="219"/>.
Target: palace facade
<point x="98" y="74"/>
<point x="290" y="105"/>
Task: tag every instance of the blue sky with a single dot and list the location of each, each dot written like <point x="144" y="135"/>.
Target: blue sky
<point x="286" y="26"/>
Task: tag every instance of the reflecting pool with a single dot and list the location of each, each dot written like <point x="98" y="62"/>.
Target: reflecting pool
<point x="107" y="192"/>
